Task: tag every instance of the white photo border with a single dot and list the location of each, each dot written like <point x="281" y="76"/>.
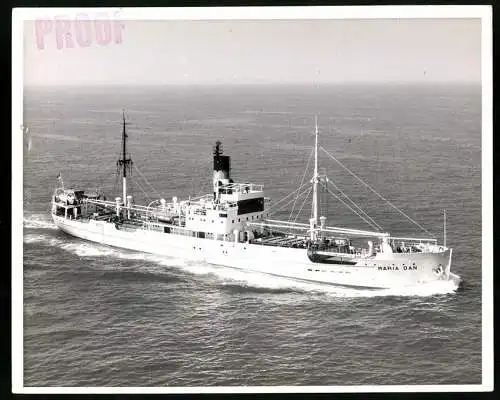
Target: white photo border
<point x="19" y="15"/>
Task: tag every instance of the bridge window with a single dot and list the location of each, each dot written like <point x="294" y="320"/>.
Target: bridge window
<point x="250" y="206"/>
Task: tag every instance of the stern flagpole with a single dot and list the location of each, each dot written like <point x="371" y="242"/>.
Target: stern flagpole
<point x="444" y="228"/>
<point x="60" y="179"/>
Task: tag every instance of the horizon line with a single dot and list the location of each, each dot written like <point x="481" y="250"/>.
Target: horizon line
<point x="331" y="83"/>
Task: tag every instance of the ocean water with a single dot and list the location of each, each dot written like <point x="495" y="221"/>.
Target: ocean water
<point x="101" y="316"/>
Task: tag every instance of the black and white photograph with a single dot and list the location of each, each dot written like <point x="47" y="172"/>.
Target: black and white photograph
<point x="252" y="199"/>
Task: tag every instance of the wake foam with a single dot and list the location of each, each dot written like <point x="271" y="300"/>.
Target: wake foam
<point x="43" y="239"/>
<point x="261" y="281"/>
<point x="88" y="250"/>
<point x="38" y="221"/>
<point x="258" y="280"/>
<point x="420" y="290"/>
<point x="34" y="238"/>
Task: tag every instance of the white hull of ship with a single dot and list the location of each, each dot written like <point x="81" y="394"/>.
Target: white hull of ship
<point x="379" y="272"/>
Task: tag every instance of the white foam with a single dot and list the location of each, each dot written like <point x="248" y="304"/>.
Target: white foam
<point x="420" y="290"/>
<point x="38" y="221"/>
<point x="88" y="250"/>
<point x="201" y="269"/>
<point x="262" y="280"/>
<point x="34" y="238"/>
<point x="42" y="238"/>
<point x="166" y="261"/>
<point x="259" y="280"/>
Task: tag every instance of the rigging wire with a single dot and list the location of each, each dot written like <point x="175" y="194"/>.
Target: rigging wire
<point x="374" y="191"/>
<point x="324" y="195"/>
<point x="142" y="190"/>
<point x="193" y="181"/>
<point x="288" y="195"/>
<point x="303" y="203"/>
<point x="205" y="184"/>
<point x="147" y="182"/>
<point x="282" y="206"/>
<point x="379" y="227"/>
<point x="117" y="178"/>
<point x="130" y="188"/>
<point x="288" y="203"/>
<point x="301" y="183"/>
<point x="203" y="189"/>
<point x="354" y="211"/>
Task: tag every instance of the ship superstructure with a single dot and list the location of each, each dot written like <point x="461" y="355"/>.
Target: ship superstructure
<point x="232" y="227"/>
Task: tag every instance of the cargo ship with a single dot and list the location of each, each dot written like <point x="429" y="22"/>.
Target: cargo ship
<point x="232" y="227"/>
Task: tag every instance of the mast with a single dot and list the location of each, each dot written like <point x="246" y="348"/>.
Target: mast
<point x="315" y="178"/>
<point x="124" y="163"/>
<point x="444" y="228"/>
<point x="60" y="179"/>
<point x="313" y="222"/>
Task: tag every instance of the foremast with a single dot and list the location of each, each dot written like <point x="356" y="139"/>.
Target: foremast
<point x="125" y="162"/>
<point x="315" y="181"/>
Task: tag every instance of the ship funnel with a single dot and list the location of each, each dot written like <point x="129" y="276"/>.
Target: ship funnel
<point x="222" y="167"/>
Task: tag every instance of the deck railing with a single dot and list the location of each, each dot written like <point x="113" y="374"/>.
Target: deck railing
<point x="243" y="187"/>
